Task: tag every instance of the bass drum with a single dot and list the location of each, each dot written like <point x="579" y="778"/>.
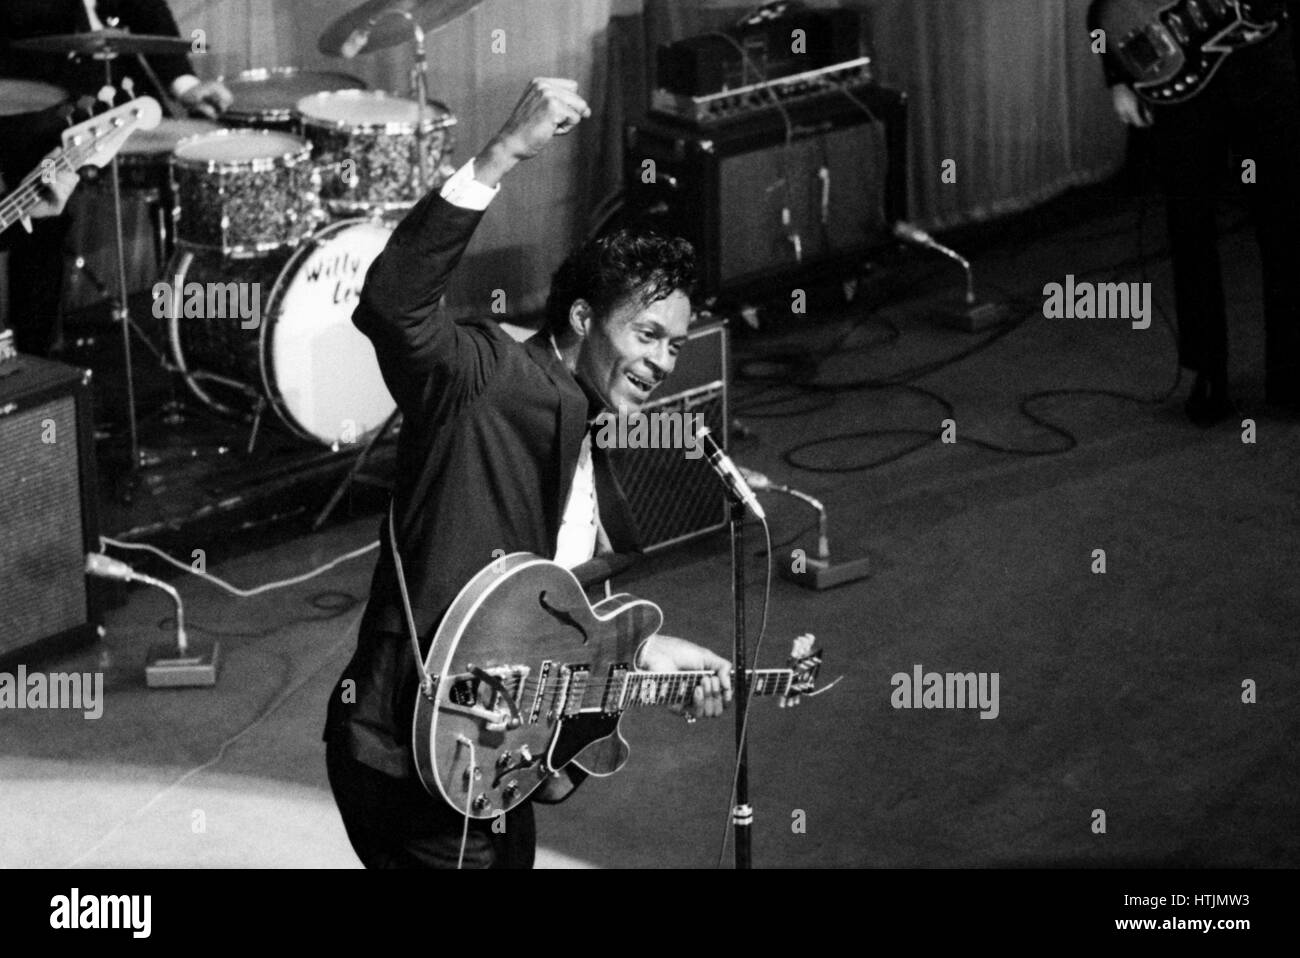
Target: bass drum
<point x="277" y="330"/>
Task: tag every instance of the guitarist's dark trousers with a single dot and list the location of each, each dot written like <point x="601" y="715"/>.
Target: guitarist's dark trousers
<point x="1251" y="110"/>
<point x="394" y="823"/>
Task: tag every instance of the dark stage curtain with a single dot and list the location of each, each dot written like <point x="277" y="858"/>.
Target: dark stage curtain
<point x="1006" y="88"/>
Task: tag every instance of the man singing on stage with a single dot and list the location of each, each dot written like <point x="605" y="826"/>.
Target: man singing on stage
<point x="495" y="456"/>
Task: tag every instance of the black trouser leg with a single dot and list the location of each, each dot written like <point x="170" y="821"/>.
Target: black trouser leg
<point x="36" y="284"/>
<point x="1191" y="151"/>
<point x="1266" y="100"/>
<point x="395" y="823"/>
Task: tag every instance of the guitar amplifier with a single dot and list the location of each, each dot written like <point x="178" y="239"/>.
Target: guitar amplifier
<point x="769" y="204"/>
<point x="674" y="499"/>
<point x="48" y="517"/>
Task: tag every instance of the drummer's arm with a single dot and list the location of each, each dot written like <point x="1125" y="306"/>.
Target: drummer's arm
<point x="208" y="97"/>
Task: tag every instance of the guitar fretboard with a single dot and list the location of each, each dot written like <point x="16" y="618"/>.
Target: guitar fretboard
<point x="676" y="688"/>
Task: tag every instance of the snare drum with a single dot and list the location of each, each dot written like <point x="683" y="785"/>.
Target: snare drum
<point x="243" y="192"/>
<point x="266" y="98"/>
<point x="304" y="358"/>
<point x="145" y="156"/>
<point x="365" y="148"/>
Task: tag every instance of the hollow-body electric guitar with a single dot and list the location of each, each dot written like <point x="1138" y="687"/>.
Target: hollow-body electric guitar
<point x="1171" y="50"/>
<point x="526" y="676"/>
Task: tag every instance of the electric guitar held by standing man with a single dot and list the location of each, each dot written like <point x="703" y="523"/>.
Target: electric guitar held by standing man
<point x="1171" y="50"/>
<point x="525" y="676"/>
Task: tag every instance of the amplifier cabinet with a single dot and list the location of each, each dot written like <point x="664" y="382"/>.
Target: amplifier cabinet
<point x="48" y="508"/>
<point x="766" y="204"/>
<point x="674" y="499"/>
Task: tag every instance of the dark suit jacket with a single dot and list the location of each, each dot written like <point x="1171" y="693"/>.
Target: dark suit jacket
<point x="490" y="440"/>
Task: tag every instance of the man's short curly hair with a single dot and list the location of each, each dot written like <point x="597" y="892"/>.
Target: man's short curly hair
<point x="611" y="269"/>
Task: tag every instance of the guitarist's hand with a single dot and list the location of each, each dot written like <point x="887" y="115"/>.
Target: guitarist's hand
<point x="664" y="653"/>
<point x="57" y="185"/>
<point x="1131" y="109"/>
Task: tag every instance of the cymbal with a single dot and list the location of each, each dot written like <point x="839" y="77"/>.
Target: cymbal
<point x="97" y="42"/>
<point x="366" y="29"/>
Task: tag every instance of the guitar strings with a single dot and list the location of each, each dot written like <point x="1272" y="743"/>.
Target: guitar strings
<point x="31" y="186"/>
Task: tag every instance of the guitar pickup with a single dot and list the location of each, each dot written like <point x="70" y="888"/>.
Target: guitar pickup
<point x="615" y="689"/>
<point x="577" y="691"/>
<point x="570" y="691"/>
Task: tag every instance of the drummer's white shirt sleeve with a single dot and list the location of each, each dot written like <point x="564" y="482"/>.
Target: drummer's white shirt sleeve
<point x="464" y="191"/>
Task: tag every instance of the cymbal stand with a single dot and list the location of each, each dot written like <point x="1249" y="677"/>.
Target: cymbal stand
<point x="121" y="310"/>
<point x="419" y="90"/>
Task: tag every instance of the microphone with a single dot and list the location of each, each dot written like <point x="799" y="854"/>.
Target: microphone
<point x="106" y="567"/>
<point x="910" y="233"/>
<point x="101" y="565"/>
<point x="355" y="43"/>
<point x="727" y="471"/>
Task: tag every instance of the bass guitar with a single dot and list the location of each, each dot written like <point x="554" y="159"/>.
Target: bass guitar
<point x="1171" y="51"/>
<point x="92" y="143"/>
<point x="525" y="676"/>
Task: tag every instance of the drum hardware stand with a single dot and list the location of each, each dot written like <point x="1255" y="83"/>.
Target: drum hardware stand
<point x="419" y="89"/>
<point x="173" y="409"/>
<point x="120" y="311"/>
<point x="742" y="813"/>
<point x="355" y="475"/>
<point x="257" y="425"/>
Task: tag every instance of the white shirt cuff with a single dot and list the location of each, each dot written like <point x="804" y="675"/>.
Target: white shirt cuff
<point x="466" y="192"/>
<point x="183" y="83"/>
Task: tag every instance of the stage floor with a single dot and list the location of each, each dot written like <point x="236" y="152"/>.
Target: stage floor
<point x="1120" y="692"/>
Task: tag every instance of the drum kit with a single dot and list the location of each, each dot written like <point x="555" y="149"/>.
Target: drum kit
<point x="292" y="194"/>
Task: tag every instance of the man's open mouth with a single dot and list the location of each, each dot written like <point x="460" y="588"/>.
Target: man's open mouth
<point x="644" y="385"/>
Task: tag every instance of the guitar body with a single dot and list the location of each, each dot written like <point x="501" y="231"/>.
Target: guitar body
<point x="1172" y="50"/>
<point x="530" y="673"/>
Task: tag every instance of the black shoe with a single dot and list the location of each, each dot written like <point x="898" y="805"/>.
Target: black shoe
<point x="1209" y="403"/>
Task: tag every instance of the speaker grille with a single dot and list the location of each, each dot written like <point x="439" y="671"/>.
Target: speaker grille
<point x="42" y="577"/>
<point x="671" y="497"/>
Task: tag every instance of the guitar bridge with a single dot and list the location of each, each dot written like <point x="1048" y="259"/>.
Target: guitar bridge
<point x="489" y="694"/>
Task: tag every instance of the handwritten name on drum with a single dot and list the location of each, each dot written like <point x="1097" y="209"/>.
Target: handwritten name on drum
<point x="347" y="271"/>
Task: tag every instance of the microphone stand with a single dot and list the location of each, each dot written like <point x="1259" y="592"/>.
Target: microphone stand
<point x="742" y="814"/>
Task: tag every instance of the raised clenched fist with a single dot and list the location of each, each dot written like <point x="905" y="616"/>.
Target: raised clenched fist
<point x="550" y="107"/>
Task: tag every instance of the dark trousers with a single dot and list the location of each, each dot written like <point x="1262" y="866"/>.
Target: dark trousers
<point x="1250" y="111"/>
<point x="36" y="284"/>
<point x="395" y="823"/>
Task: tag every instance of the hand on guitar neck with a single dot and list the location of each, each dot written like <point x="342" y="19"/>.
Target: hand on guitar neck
<point x="664" y="653"/>
<point x="56" y="187"/>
